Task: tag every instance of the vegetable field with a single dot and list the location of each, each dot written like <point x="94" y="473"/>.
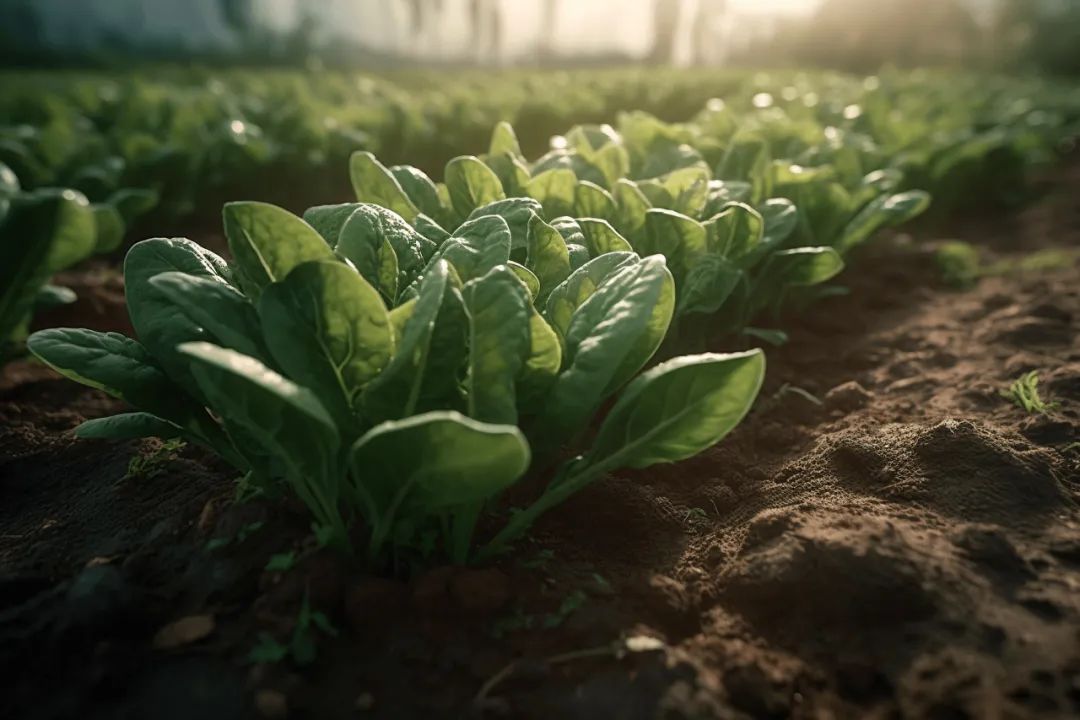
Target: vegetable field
<point x="609" y="393"/>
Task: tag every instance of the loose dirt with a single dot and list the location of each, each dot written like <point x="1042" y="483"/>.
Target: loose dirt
<point x="885" y="536"/>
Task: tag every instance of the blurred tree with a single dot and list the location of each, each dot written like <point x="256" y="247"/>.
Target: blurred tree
<point x="549" y="13"/>
<point x="1041" y="34"/>
<point x="485" y="23"/>
<point x="239" y="15"/>
<point x="860" y="36"/>
<point x="665" y="25"/>
<point x="708" y="31"/>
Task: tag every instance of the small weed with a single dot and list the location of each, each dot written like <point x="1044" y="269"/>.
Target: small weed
<point x="958" y="263"/>
<point x="302" y="647"/>
<point x="241" y="535"/>
<point x="153" y="463"/>
<point x="1024" y="393"/>
<point x="281" y="562"/>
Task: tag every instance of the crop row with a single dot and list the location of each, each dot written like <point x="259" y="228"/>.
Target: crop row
<point x="398" y="362"/>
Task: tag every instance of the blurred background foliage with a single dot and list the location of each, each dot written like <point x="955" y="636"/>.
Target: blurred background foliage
<point x="852" y="35"/>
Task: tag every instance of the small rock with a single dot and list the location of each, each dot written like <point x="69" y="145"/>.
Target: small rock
<point x="431" y="591"/>
<point x="848" y="397"/>
<point x="481" y="591"/>
<point x="271" y="704"/>
<point x="184" y="631"/>
<point x="370" y="600"/>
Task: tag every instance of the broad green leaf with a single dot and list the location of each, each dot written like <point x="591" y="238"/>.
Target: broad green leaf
<point x="570" y="230"/>
<point x="781" y="217"/>
<point x="632" y="206"/>
<point x="285" y="420"/>
<point x="708" y="285"/>
<point x="157" y="324"/>
<point x="498" y="308"/>
<point x="420" y="190"/>
<point x="477" y="247"/>
<point x="678" y="409"/>
<point x="680" y="239"/>
<point x="883" y="211"/>
<point x="471" y="184"/>
<point x="612" y="160"/>
<point x="579" y="255"/>
<point x="517" y="212"/>
<point x="220" y="309"/>
<point x="600" y="238"/>
<point x="43" y="233"/>
<point x="611" y="337"/>
<point x="437" y="462"/>
<point x="424" y="369"/>
<point x="329" y="331"/>
<point x="504" y="140"/>
<point x="798" y="267"/>
<point x="735" y="232"/>
<point x="593" y="201"/>
<point x="548" y="256"/>
<point x="386" y="250"/>
<point x="132" y="203"/>
<point x="432" y="232"/>
<point x="128" y="426"/>
<point x="512" y="173"/>
<point x="748" y="159"/>
<point x="268" y="242"/>
<point x="109" y="228"/>
<point x="328" y="220"/>
<point x="525" y="275"/>
<point x="568" y="296"/>
<point x="542" y="365"/>
<point x="121" y="367"/>
<point x="555" y="191"/>
<point x="373" y="183"/>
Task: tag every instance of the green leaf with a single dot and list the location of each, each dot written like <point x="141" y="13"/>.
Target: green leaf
<point x="517" y="212"/>
<point x="883" y="211"/>
<point x="678" y="409"/>
<point x="133" y="203"/>
<point x="286" y="421"/>
<point x="424" y="369"/>
<point x="120" y="367"/>
<point x="525" y="275"/>
<point x="498" y="308"/>
<point x="632" y="206"/>
<point x="472" y="184"/>
<point x="329" y="330"/>
<point x="601" y="238"/>
<point x="128" y="426"/>
<point x="51" y="296"/>
<point x="109" y="228"/>
<point x="386" y="250"/>
<point x="220" y="309"/>
<point x="735" y="232"/>
<point x="548" y="256"/>
<point x="610" y="338"/>
<point x="157" y="324"/>
<point x="437" y="462"/>
<point x="708" y="285"/>
<point x="555" y="190"/>
<point x="420" y="190"/>
<point x="543" y="363"/>
<point x="373" y="183"/>
<point x="268" y="242"/>
<point x="504" y="141"/>
<point x="568" y="296"/>
<point x="432" y="232"/>
<point x="593" y="201"/>
<point x="328" y="220"/>
<point x="802" y="266"/>
<point x="680" y="239"/>
<point x="43" y="233"/>
<point x="477" y="247"/>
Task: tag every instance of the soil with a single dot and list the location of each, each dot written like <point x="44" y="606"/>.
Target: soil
<point x="885" y="536"/>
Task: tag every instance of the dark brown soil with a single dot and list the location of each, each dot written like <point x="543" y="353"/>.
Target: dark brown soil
<point x="909" y="547"/>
